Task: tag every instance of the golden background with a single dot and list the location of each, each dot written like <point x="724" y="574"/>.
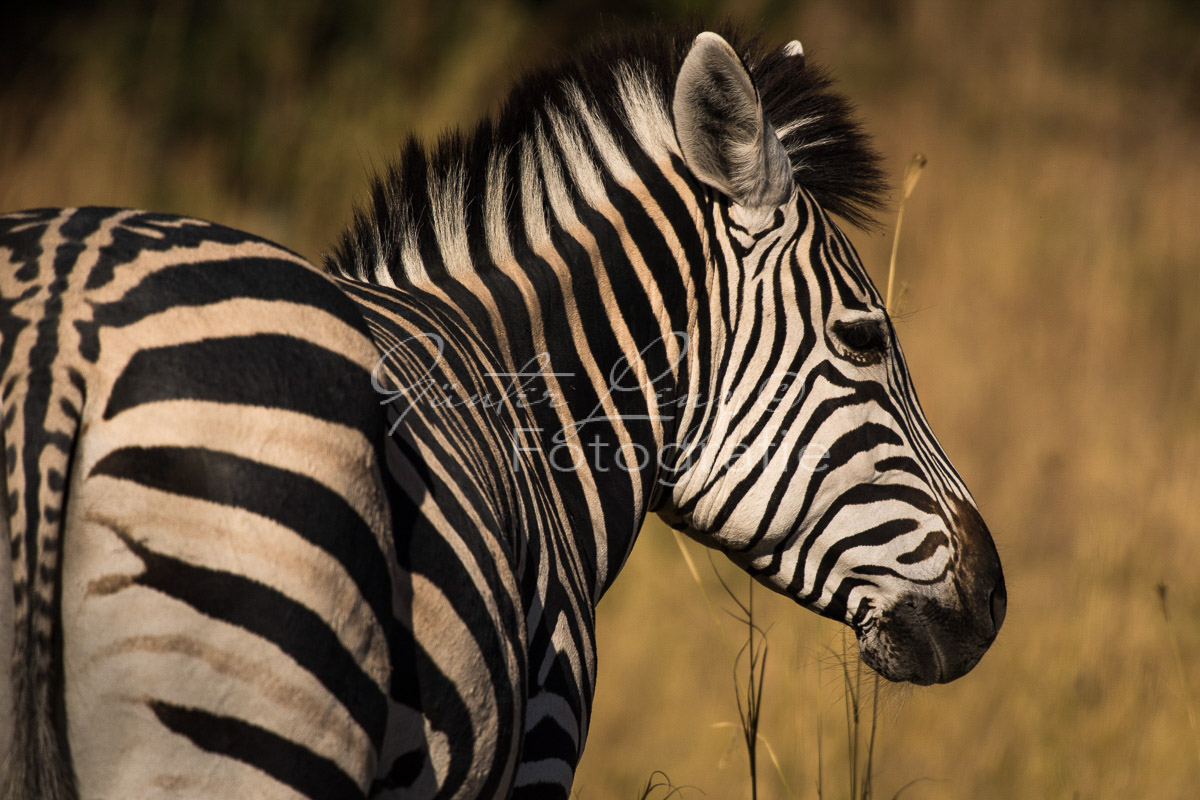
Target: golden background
<point x="1051" y="269"/>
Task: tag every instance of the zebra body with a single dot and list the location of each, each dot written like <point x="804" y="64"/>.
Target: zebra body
<point x="202" y="398"/>
<point x="344" y="536"/>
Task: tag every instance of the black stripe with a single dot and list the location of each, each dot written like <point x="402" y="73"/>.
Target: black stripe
<point x="315" y="512"/>
<point x="267" y="370"/>
<point x="901" y="464"/>
<point x="925" y="550"/>
<point x="873" y="537"/>
<point x="838" y="607"/>
<point x="418" y="681"/>
<point x="311" y="775"/>
<point x="199" y="283"/>
<point x="40" y="542"/>
<point x="548" y="739"/>
<point x="300" y="503"/>
<point x="876" y="569"/>
<point x="265" y="612"/>
<point x="147" y="231"/>
<point x="859" y="495"/>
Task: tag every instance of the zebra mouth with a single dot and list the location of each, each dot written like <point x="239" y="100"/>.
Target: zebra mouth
<point x="918" y="641"/>
<point x="902" y="648"/>
<point x="921" y="665"/>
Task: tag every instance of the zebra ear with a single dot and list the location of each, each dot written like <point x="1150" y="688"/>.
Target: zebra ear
<point x="725" y="138"/>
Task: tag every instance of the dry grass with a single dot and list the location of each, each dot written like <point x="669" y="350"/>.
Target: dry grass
<point x="1050" y="324"/>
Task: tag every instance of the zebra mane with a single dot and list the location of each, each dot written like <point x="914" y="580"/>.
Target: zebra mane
<point x="426" y="214"/>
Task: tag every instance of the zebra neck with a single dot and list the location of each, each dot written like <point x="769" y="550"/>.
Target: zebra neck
<point x="587" y="334"/>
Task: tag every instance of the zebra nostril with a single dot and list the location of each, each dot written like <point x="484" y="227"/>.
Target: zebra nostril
<point x="999" y="605"/>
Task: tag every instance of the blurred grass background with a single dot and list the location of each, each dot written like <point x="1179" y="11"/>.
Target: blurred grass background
<point x="1051" y="257"/>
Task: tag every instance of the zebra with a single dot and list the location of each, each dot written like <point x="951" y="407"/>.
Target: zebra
<point x="288" y="532"/>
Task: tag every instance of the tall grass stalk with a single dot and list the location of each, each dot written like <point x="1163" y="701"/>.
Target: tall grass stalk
<point x="820" y="742"/>
<point x="750" y="692"/>
<point x="911" y="175"/>
<point x="1185" y="687"/>
<point x="850" y="704"/>
<point x="870" y="766"/>
<point x="755" y="679"/>
<point x="695" y="573"/>
<point x="860" y="763"/>
<point x="659" y="780"/>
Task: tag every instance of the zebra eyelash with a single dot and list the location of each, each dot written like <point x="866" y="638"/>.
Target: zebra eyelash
<point x="863" y="342"/>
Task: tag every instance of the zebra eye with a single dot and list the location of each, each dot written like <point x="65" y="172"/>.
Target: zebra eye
<point x="864" y="342"/>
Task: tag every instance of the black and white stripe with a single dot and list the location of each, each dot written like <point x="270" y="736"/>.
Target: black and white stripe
<point x="624" y="294"/>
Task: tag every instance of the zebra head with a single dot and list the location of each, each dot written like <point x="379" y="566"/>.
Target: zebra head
<point x="806" y="456"/>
